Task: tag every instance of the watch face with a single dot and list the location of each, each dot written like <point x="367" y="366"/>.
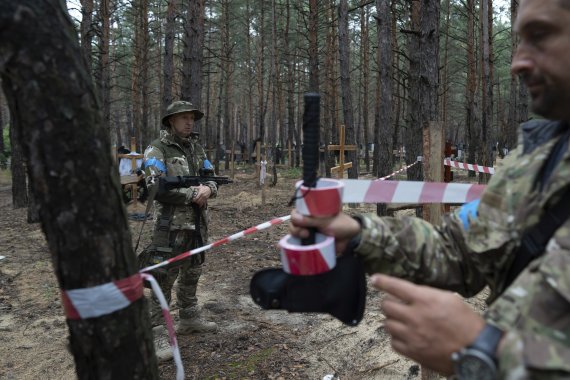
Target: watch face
<point x="475" y="365"/>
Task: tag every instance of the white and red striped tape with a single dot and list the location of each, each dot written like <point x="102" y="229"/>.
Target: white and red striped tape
<point x="325" y="199"/>
<point x="225" y="240"/>
<point x="169" y="325"/>
<point x="473" y="167"/>
<point x="362" y="191"/>
<point x="397" y="171"/>
<point x="107" y="298"/>
<point x="307" y="260"/>
<point x="102" y="299"/>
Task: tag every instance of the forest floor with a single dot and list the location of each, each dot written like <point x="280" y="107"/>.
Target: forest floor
<point x="250" y="343"/>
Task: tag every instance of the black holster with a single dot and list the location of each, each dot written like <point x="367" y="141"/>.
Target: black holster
<point x="340" y="292"/>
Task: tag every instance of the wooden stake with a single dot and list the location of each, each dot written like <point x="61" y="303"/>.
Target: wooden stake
<point x="433" y="172"/>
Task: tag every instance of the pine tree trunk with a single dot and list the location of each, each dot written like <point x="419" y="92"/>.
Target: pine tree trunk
<point x="103" y="76"/>
<point x="193" y="54"/>
<point x="346" y="87"/>
<point x="145" y="136"/>
<point x="471" y="89"/>
<point x="74" y="180"/>
<point x="365" y="54"/>
<point x="290" y="88"/>
<point x="313" y="46"/>
<point x="17" y="163"/>
<point x="384" y="114"/>
<point x="168" y="68"/>
<point x="2" y="142"/>
<point x="413" y="137"/>
<point x="487" y="92"/>
<point x="86" y="31"/>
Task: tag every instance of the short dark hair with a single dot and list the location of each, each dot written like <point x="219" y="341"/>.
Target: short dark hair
<point x="564" y="4"/>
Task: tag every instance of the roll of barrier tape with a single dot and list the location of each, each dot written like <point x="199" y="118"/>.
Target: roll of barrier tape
<point x="307" y="260"/>
<point x="323" y="200"/>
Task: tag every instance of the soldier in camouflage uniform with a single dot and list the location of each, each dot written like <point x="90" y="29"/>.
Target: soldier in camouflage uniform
<point x="181" y="220"/>
<point x="475" y="246"/>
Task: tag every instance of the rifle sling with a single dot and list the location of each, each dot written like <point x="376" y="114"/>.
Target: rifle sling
<point x="535" y="238"/>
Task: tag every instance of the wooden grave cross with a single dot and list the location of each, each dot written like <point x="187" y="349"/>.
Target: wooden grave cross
<point x="342" y="148"/>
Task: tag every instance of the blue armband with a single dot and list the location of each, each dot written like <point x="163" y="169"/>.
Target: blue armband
<point x="468" y="210"/>
<point x="156" y="163"/>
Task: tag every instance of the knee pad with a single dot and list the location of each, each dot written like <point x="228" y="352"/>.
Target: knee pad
<point x="340" y="292"/>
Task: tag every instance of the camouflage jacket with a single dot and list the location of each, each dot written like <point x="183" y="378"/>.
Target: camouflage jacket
<point x="170" y="155"/>
<point x="471" y="250"/>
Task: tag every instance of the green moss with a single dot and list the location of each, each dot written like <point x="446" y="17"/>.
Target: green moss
<point x="241" y="368"/>
<point x="292" y="173"/>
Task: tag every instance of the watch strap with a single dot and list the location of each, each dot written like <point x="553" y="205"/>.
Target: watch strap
<point x="488" y="340"/>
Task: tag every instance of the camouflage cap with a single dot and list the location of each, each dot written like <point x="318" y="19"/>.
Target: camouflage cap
<point x="180" y="106"/>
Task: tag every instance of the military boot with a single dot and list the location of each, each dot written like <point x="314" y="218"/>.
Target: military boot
<point x="162" y="344"/>
<point x="195" y="324"/>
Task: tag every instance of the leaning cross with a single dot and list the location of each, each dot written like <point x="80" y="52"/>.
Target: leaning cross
<point x="341" y="148"/>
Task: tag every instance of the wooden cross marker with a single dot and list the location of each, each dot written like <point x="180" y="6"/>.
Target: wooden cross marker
<point x="133" y="179"/>
<point x="342" y="148"/>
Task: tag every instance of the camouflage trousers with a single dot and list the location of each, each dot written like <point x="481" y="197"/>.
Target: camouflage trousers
<point x="187" y="275"/>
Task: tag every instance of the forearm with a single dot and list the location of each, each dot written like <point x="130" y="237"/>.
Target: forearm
<point x="413" y="249"/>
<point x="176" y="197"/>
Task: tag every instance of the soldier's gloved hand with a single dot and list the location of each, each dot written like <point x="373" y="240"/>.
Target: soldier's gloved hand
<point x="201" y="195"/>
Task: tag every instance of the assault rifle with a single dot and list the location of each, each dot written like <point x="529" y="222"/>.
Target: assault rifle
<point x="180" y="181"/>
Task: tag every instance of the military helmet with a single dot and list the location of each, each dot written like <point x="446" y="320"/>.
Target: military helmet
<point x="181" y="106"/>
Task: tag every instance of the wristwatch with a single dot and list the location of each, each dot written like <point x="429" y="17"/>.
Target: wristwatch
<point x="478" y="361"/>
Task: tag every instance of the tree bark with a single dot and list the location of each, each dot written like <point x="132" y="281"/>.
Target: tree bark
<point x="146" y="136"/>
<point x="365" y="54"/>
<point x="313" y="46"/>
<point x="17" y="163"/>
<point x="74" y="180"/>
<point x="384" y="114"/>
<point x="193" y="54"/>
<point x="168" y="68"/>
<point x="471" y="122"/>
<point x="290" y="88"/>
<point x="103" y="76"/>
<point x="2" y="142"/>
<point x="86" y="30"/>
<point x="487" y="91"/>
<point x="413" y="137"/>
<point x="346" y="87"/>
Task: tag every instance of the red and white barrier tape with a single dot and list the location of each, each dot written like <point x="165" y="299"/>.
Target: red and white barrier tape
<point x="362" y="191"/>
<point x="225" y="240"/>
<point x="113" y="296"/>
<point x="397" y="171"/>
<point x="307" y="260"/>
<point x="474" y="167"/>
<point x="322" y="200"/>
<point x="169" y="325"/>
<point x="102" y="299"/>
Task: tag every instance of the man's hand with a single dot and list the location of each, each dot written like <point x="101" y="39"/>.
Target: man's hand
<point x="426" y="324"/>
<point x="202" y="194"/>
<point x="342" y="227"/>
